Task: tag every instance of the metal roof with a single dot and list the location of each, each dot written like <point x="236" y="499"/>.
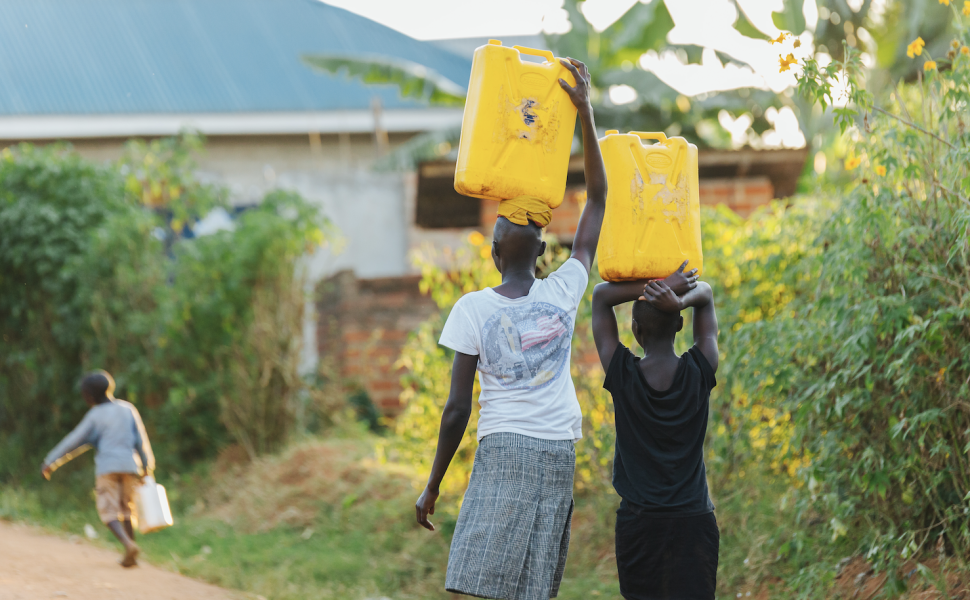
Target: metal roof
<point x="111" y="57"/>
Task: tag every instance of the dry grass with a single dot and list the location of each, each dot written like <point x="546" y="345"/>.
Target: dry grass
<point x="293" y="487"/>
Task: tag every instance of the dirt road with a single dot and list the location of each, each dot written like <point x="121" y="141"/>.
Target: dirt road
<point x="34" y="565"/>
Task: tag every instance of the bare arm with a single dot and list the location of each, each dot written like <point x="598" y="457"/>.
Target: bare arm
<point x="454" y="420"/>
<point x="705" y="322"/>
<point x="607" y="295"/>
<point x="605" y="332"/>
<point x="701" y="299"/>
<point x="591" y="221"/>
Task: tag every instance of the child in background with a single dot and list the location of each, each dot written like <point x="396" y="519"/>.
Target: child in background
<point x="123" y="455"/>
<point x="667" y="538"/>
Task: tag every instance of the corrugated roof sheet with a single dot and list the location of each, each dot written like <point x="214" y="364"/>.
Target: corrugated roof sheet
<point x="75" y="57"/>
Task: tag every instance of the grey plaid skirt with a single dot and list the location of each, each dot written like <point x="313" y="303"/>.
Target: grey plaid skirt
<point x="512" y="535"/>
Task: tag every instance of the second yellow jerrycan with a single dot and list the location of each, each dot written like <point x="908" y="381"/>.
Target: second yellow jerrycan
<point x="652" y="222"/>
<point x="517" y="129"/>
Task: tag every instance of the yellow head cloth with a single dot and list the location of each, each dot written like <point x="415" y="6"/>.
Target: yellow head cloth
<point x="522" y="209"/>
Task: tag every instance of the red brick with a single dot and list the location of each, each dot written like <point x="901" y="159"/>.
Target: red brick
<point x="383" y="386"/>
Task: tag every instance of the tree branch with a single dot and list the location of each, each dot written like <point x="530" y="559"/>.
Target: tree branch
<point x="914" y="126"/>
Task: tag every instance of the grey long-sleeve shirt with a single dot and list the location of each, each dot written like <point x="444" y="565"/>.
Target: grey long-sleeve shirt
<point x="116" y="432"/>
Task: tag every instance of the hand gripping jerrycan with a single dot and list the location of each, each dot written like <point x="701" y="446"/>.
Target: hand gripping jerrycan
<point x="652" y="221"/>
<point x="151" y="504"/>
<point x="517" y="129"/>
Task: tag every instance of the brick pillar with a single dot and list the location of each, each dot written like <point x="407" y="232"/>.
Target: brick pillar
<point x="362" y="328"/>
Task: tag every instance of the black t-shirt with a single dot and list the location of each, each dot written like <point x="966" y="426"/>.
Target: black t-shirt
<point x="659" y="461"/>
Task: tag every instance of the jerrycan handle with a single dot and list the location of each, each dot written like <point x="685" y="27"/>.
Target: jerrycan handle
<point x="650" y="135"/>
<point x="536" y="52"/>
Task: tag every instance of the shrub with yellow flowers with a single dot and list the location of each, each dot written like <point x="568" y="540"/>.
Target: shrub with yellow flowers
<point x="870" y="360"/>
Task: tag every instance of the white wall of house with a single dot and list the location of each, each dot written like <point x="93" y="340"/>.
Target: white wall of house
<point x="368" y="209"/>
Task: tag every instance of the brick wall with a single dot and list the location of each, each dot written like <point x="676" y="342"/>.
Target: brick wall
<point x="740" y="194"/>
<point x="362" y="327"/>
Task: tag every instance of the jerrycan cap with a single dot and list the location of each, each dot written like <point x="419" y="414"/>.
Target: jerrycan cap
<point x="612" y="131"/>
<point x="495" y="42"/>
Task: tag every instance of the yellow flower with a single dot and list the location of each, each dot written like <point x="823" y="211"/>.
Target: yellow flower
<point x="785" y="64"/>
<point x="965" y="51"/>
<point x="852" y="162"/>
<point x="880" y="170"/>
<point x="966" y="8"/>
<point x="486" y="251"/>
<point x="781" y="38"/>
<point x="945" y="2"/>
<point x="915" y="48"/>
<point x="476" y="239"/>
<point x="929" y="65"/>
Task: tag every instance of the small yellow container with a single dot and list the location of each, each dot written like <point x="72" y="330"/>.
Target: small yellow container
<point x="517" y="129"/>
<point x="652" y="222"/>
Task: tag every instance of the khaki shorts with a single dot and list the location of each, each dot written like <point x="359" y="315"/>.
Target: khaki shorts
<point x="115" y="493"/>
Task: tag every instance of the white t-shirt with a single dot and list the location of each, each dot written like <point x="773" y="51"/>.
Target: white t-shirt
<point x="523" y="347"/>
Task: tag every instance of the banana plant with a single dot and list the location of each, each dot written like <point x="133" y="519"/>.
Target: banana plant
<point x="413" y="80"/>
<point x="613" y="54"/>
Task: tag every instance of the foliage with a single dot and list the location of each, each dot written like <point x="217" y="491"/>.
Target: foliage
<point x="50" y="201"/>
<point x="240" y="294"/>
<point x="613" y="55"/>
<point x="201" y="334"/>
<point x="869" y="358"/>
<point x="412" y="80"/>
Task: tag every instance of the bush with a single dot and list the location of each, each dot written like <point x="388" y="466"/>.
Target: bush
<point x="202" y="334"/>
<point x="50" y="202"/>
<point x="871" y="360"/>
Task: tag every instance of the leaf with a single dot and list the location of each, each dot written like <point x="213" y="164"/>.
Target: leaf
<point x="650" y="88"/>
<point x="422" y="147"/>
<point x="575" y="42"/>
<point x="744" y="26"/>
<point x="790" y="18"/>
<point x="412" y="79"/>
<point x="644" y="27"/>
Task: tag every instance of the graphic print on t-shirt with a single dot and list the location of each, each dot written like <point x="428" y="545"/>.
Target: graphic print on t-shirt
<point x="526" y="347"/>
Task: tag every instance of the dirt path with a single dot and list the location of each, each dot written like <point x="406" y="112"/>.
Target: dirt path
<point x="35" y="565"/>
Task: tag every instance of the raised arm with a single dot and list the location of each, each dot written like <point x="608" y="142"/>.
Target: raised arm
<point x="608" y="295"/>
<point x="590" y="222"/>
<point x="454" y="420"/>
<point x="605" y="296"/>
<point x="701" y="299"/>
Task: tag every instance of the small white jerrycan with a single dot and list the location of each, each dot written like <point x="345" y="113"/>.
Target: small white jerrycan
<point x="152" y="505"/>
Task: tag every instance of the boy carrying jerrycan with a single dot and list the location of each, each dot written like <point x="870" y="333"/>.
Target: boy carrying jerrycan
<point x="123" y="456"/>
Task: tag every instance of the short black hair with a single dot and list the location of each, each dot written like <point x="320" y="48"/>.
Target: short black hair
<point x="517" y="243"/>
<point x="98" y="384"/>
<point x="655" y="323"/>
<point x="507" y="229"/>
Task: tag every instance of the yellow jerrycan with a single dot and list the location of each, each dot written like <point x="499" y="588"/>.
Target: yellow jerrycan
<point x="652" y="221"/>
<point x="517" y="128"/>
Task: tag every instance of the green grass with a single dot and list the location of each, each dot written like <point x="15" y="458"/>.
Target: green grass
<point x="326" y="520"/>
<point x="352" y="546"/>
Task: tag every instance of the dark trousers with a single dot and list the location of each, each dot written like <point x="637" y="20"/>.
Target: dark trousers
<point x="666" y="558"/>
